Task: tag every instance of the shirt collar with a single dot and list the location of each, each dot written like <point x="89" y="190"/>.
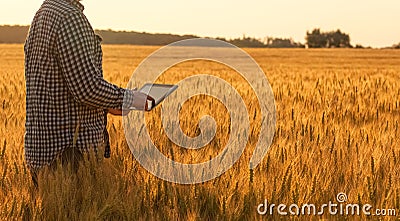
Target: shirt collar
<point x="77" y="4"/>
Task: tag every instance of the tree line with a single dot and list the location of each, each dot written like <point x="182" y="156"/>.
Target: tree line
<point x="314" y="39"/>
<point x="332" y="39"/>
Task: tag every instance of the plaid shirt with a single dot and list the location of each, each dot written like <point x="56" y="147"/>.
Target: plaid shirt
<point x="64" y="84"/>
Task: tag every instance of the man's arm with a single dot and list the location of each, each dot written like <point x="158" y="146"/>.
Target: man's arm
<point x="81" y="74"/>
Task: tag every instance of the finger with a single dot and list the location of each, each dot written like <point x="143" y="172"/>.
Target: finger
<point x="153" y="101"/>
<point x="147" y="108"/>
<point x="150" y="98"/>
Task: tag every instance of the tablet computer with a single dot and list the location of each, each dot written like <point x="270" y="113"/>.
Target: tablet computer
<point x="157" y="91"/>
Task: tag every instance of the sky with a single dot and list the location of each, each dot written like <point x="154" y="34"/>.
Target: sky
<point x="369" y="22"/>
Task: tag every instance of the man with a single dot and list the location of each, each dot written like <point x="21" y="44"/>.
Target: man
<point x="66" y="95"/>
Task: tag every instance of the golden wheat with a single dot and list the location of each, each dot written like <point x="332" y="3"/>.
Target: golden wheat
<point x="338" y="114"/>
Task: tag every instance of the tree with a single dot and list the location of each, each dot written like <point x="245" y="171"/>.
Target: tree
<point x="282" y="43"/>
<point x="338" y="40"/>
<point x="332" y="39"/>
<point x="396" y="46"/>
<point x="247" y="42"/>
<point x="316" y="39"/>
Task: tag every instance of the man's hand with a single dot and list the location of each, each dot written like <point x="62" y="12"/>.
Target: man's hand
<point x="141" y="102"/>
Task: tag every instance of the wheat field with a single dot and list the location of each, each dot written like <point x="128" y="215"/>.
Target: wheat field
<point x="338" y="113"/>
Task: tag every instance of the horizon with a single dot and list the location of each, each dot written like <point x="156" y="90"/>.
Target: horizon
<point x="368" y="23"/>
